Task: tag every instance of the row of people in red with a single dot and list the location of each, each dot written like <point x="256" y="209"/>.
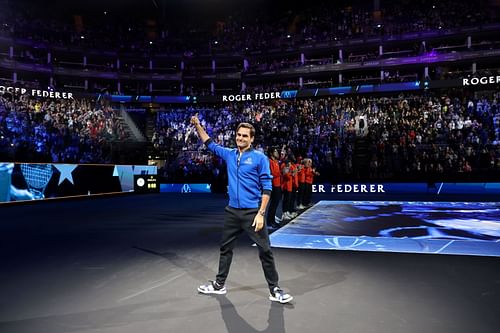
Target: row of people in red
<point x="292" y="185"/>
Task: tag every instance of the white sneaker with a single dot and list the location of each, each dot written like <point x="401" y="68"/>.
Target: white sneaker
<point x="286" y="216"/>
<point x="293" y="215"/>
<point x="300" y="207"/>
<point x="279" y="295"/>
<point x="212" y="288"/>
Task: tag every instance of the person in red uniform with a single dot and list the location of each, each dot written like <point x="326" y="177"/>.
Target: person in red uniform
<point x="295" y="186"/>
<point x="310" y="172"/>
<point x="302" y="184"/>
<point x="286" y="187"/>
<point x="276" y="192"/>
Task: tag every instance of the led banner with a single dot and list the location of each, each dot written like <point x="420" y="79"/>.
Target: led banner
<point x="315" y="92"/>
<point x="414" y="188"/>
<point x="185" y="188"/>
<point x="37" y="181"/>
<point x="35" y="92"/>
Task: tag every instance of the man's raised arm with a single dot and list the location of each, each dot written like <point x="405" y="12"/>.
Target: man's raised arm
<point x="202" y="134"/>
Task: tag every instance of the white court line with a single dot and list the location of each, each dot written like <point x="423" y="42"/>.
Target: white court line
<point x="151" y="288"/>
<point x="444" y="246"/>
<point x="440" y="187"/>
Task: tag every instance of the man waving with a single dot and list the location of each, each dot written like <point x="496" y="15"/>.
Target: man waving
<point x="250" y="185"/>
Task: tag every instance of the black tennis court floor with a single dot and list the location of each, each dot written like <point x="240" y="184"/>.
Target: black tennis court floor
<point x="133" y="263"/>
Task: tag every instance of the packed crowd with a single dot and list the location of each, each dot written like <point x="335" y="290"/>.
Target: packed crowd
<point x="444" y="136"/>
<point x="49" y="130"/>
<point x="347" y="136"/>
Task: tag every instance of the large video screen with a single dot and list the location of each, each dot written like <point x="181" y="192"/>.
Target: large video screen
<point x="471" y="228"/>
<point x="36" y="181"/>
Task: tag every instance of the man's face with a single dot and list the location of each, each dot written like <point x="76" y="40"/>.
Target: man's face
<point x="243" y="138"/>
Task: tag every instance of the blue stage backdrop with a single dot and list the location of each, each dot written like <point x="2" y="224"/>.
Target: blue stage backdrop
<point x="35" y="181"/>
<point x="470" y="228"/>
<point x="368" y="188"/>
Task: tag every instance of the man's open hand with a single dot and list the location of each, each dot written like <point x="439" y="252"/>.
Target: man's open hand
<point x="258" y="222"/>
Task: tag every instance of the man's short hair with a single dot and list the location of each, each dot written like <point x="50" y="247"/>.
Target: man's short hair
<point x="247" y="125"/>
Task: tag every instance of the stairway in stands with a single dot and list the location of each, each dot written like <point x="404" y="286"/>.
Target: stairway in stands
<point x="132" y="126"/>
<point x="150" y="128"/>
<point x="150" y="123"/>
<point x="361" y="157"/>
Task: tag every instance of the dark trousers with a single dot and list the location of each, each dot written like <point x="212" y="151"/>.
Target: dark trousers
<point x="300" y="194"/>
<point x="235" y="222"/>
<point x="308" y="194"/>
<point x="293" y="196"/>
<point x="273" y="205"/>
<point x="286" y="201"/>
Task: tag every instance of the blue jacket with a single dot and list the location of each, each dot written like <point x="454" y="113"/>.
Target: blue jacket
<point x="249" y="175"/>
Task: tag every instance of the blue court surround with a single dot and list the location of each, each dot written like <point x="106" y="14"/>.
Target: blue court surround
<point x="464" y="228"/>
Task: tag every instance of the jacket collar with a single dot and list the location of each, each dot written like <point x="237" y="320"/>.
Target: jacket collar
<point x="246" y="151"/>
